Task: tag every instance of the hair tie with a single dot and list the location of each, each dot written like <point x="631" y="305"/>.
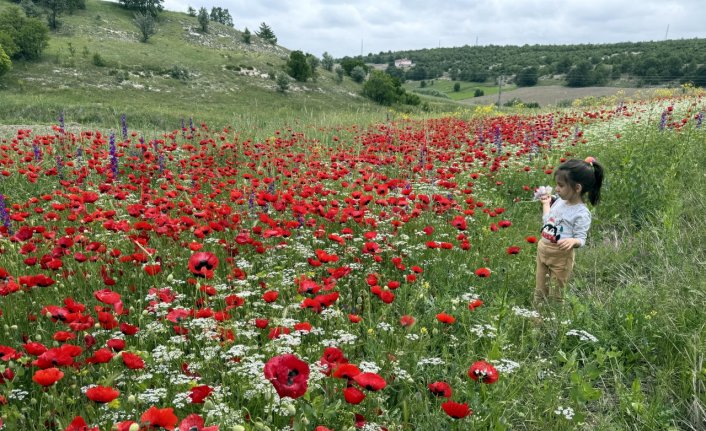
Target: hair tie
<point x="589" y="160"/>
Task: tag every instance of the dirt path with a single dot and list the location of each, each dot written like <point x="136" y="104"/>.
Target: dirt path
<point x="551" y="95"/>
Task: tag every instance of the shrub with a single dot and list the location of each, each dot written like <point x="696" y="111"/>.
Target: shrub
<point x="478" y="93"/>
<point x="145" y="25"/>
<point x="282" y="81"/>
<point x="5" y="63"/>
<point x="298" y="67"/>
<point x="179" y="72"/>
<point x="457" y="87"/>
<point x="98" y="60"/>
<point x="358" y="74"/>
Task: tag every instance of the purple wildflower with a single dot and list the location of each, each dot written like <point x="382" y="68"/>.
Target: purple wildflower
<point x="113" y="156"/>
<point x="4" y="216"/>
<point x="37" y="152"/>
<point x="123" y="123"/>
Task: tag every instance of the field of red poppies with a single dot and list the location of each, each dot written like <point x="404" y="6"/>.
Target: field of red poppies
<point x="373" y="277"/>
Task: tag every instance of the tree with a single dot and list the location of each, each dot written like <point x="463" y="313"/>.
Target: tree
<point x="697" y="77"/>
<point x="348" y="64"/>
<point x="579" y="75"/>
<point x="221" y="16"/>
<point x="282" y="81"/>
<point x="203" y="20"/>
<point x="297" y="66"/>
<point x="327" y="61"/>
<point x="314" y="63"/>
<point x="145" y="25"/>
<point x="382" y="88"/>
<point x="265" y="33"/>
<point x="73" y="5"/>
<point x="8" y="45"/>
<point x="247" y="36"/>
<point x="54" y="9"/>
<point x="340" y="73"/>
<point x="358" y="74"/>
<point x="191" y="12"/>
<point x="395" y="72"/>
<point x="5" y="63"/>
<point x="457" y="87"/>
<point x="564" y="65"/>
<point x="153" y="7"/>
<point x="20" y="36"/>
<point x="30" y="8"/>
<point x="527" y="77"/>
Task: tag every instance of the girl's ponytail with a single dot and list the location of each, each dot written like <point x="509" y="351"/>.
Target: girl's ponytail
<point x="594" y="192"/>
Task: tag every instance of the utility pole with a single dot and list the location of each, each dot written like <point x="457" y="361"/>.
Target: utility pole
<point x="666" y="33"/>
<point x="500" y="88"/>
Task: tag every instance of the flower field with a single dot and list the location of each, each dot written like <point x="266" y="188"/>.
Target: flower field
<point x="374" y="277"/>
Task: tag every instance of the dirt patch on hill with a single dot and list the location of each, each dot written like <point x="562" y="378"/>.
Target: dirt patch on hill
<point x="552" y="95"/>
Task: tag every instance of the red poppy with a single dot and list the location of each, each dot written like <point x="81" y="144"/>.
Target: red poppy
<point x="513" y="249"/>
<point x="133" y="361"/>
<point x="288" y="374"/>
<point x="155" y="417"/>
<point x="115" y="344"/>
<point x="34" y="348"/>
<point x="203" y="264"/>
<point x="475" y="304"/>
<point x="270" y="296"/>
<point x="407" y="321"/>
<point x="346" y="371"/>
<point x="440" y="389"/>
<point x="79" y="424"/>
<point x="445" y="318"/>
<point x="101" y="356"/>
<point x="354" y="318"/>
<point x="531" y="239"/>
<point x="47" y="377"/>
<point x="194" y="422"/>
<point x="456" y="410"/>
<point x="353" y="395"/>
<point x="129" y="329"/>
<point x="483" y="372"/>
<point x="152" y="269"/>
<point x="57" y="356"/>
<point x="102" y="394"/>
<point x="370" y="381"/>
<point x="332" y="358"/>
<point x="199" y="393"/>
<point x="483" y="272"/>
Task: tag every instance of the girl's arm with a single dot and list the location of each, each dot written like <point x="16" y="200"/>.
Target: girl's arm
<point x="546" y="201"/>
<point x="581" y="227"/>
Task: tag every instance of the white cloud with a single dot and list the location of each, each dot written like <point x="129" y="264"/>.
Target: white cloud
<point x="339" y="26"/>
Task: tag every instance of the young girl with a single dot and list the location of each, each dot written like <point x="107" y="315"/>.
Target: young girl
<point x="566" y="224"/>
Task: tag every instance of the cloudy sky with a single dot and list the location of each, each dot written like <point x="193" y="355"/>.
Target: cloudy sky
<point x="341" y="27"/>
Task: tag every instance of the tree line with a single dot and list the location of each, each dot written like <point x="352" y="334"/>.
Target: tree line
<point x="648" y="63"/>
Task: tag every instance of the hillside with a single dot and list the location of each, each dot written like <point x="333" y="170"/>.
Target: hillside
<point x="95" y="68"/>
<point x="637" y="63"/>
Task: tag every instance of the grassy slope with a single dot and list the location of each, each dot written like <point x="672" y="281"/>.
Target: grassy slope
<point x="136" y="80"/>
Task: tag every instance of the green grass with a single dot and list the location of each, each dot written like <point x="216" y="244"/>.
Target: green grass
<point x="136" y="77"/>
<point x="446" y="87"/>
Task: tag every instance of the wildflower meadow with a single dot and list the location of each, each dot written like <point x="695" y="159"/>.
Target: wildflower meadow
<point x="351" y="276"/>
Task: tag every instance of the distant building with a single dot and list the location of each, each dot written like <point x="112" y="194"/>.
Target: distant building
<point x="403" y="63"/>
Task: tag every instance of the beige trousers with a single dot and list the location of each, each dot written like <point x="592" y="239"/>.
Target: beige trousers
<point x="554" y="267"/>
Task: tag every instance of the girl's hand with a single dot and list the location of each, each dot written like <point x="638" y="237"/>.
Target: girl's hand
<point x="545" y="199"/>
<point x="568" y="243"/>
